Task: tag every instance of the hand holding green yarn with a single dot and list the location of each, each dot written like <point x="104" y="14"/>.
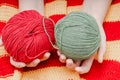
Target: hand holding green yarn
<point x="77" y="35"/>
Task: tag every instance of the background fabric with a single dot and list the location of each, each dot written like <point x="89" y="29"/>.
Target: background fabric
<point x="52" y="69"/>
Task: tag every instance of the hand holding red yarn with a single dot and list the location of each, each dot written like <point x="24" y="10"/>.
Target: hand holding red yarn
<point x="33" y="63"/>
<point x="28" y="37"/>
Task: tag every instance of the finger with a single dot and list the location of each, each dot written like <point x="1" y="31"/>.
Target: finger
<point x="58" y="53"/>
<point x="46" y="56"/>
<point x="86" y="65"/>
<point x="70" y="64"/>
<point x="101" y="51"/>
<point x="17" y="64"/>
<point x="34" y="63"/>
<point x="102" y="47"/>
<point x="62" y="57"/>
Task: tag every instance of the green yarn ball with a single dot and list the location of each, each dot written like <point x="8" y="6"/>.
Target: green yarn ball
<point x="77" y="35"/>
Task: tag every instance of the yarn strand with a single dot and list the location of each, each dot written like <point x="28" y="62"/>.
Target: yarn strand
<point x="53" y="45"/>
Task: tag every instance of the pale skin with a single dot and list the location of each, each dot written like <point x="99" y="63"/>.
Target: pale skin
<point x="96" y="8"/>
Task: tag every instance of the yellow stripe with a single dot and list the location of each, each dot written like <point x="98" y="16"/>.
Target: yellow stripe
<point x="73" y="8"/>
<point x="2" y="51"/>
<point x="6" y="12"/>
<point x="55" y="7"/>
<point x="51" y="73"/>
<point x="113" y="13"/>
<point x="17" y="75"/>
<point x="112" y="51"/>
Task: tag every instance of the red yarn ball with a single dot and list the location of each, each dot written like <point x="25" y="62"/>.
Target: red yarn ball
<point x="24" y="36"/>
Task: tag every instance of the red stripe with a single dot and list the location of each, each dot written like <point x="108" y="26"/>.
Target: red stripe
<point x="74" y="2"/>
<point x="57" y="17"/>
<point x="5" y="67"/>
<point x="48" y="1"/>
<point x="108" y="70"/>
<point x="10" y="2"/>
<point x="112" y="30"/>
<point x="115" y="1"/>
<point x="2" y="24"/>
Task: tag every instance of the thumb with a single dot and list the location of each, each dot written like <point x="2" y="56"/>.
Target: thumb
<point x="102" y="50"/>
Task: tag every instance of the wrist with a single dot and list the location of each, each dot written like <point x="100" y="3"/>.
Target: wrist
<point x="98" y="18"/>
<point x="37" y="5"/>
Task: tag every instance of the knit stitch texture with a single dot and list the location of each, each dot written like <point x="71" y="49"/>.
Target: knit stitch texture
<point x="52" y="69"/>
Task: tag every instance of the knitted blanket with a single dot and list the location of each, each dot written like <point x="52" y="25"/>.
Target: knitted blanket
<point x="52" y="69"/>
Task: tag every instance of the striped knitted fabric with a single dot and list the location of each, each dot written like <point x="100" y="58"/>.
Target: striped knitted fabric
<point x="7" y="72"/>
<point x="52" y="69"/>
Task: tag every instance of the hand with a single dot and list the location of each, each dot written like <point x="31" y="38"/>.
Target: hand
<point x="34" y="63"/>
<point x="84" y="66"/>
<point x="78" y="66"/>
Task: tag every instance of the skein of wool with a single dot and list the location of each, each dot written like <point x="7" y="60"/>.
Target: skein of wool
<point x="77" y="35"/>
<point x="28" y="35"/>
